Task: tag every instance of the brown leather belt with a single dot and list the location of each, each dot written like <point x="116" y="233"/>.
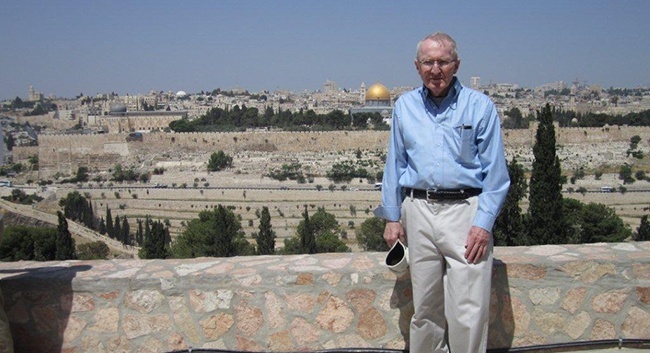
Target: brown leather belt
<point x="442" y="194"/>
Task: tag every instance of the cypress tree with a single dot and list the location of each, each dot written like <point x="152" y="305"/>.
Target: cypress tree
<point x="139" y="236"/>
<point x="102" y="226"/>
<point x="109" y="223"/>
<point x="509" y="227"/>
<point x="307" y="237"/>
<point x="117" y="229"/>
<point x="546" y="223"/>
<point x="643" y="231"/>
<point x="65" y="245"/>
<point x="154" y="243"/>
<point x="126" y="230"/>
<point x="266" y="236"/>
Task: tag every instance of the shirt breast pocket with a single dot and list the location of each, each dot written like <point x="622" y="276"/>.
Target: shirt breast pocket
<point x="467" y="146"/>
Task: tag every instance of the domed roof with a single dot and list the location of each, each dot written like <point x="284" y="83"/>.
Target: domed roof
<point x="181" y="94"/>
<point x="377" y="92"/>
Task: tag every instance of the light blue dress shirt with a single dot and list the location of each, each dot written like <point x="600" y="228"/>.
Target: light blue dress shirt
<point x="456" y="145"/>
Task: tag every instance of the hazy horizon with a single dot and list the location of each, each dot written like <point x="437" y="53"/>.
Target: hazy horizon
<point x="65" y="48"/>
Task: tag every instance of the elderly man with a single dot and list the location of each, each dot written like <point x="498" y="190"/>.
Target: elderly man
<point x="444" y="183"/>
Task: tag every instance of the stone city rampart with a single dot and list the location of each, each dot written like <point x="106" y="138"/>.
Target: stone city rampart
<point x="65" y="153"/>
<point x="540" y="295"/>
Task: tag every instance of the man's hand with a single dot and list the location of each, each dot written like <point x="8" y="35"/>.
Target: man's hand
<point x="477" y="244"/>
<point x="392" y="232"/>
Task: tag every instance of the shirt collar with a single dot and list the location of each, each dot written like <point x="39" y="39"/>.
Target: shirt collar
<point x="452" y="95"/>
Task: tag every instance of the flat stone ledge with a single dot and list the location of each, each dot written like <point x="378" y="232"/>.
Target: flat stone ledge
<point x="540" y="295"/>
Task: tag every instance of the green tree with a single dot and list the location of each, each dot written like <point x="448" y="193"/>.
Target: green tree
<point x="601" y="224"/>
<point x="370" y="235"/>
<point x="155" y="244"/>
<point x="28" y="244"/>
<point x="73" y="206"/>
<point x="317" y="234"/>
<point x="545" y="218"/>
<point x="109" y="223"/>
<point x="265" y="238"/>
<point x="625" y="174"/>
<point x="307" y="234"/>
<point x="97" y="250"/>
<point x="126" y="232"/>
<point x="219" y="161"/>
<point x="216" y="233"/>
<point x="82" y="174"/>
<point x="182" y="125"/>
<point x="643" y="231"/>
<point x="65" y="245"/>
<point x="509" y="227"/>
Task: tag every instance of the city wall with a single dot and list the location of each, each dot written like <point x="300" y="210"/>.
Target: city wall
<point x="65" y="153"/>
<point x="540" y="295"/>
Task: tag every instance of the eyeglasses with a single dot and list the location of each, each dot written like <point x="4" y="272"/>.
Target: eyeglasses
<point x="430" y="64"/>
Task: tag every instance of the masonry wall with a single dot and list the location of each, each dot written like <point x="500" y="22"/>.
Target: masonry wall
<point x="540" y="295"/>
<point x="65" y="153"/>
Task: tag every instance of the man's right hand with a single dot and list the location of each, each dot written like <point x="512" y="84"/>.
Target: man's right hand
<point x="392" y="232"/>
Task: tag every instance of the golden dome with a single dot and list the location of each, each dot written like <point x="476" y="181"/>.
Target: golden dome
<point x="377" y="92"/>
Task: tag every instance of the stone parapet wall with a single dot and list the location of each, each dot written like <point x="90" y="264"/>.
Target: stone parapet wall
<point x="540" y="295"/>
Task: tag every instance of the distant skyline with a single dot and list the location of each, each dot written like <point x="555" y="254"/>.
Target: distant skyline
<point x="70" y="47"/>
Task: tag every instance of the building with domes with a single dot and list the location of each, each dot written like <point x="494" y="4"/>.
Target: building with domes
<point x="376" y="99"/>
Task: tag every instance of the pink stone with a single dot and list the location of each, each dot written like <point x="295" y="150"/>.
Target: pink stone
<point x="143" y="301"/>
<point x="574" y="299"/>
<point x="525" y="271"/>
<point x="643" y="293"/>
<point x="516" y="318"/>
<point x="577" y="326"/>
<point x="217" y="325"/>
<point x="549" y="322"/>
<point x="205" y="302"/>
<point x="337" y="264"/>
<point x="82" y="302"/>
<point x="275" y="308"/>
<point x="588" y="271"/>
<point x="109" y="295"/>
<point x="220" y="269"/>
<point x="610" y="302"/>
<point x="246" y="345"/>
<point x="176" y="342"/>
<point x="302" y="302"/>
<point x="137" y="325"/>
<point x="183" y="319"/>
<point x="332" y="278"/>
<point x="150" y="345"/>
<point x="361" y="299"/>
<point x="305" y="279"/>
<point x="641" y="271"/>
<point x="249" y="319"/>
<point x="603" y="330"/>
<point x="362" y="263"/>
<point x="336" y="316"/>
<point x="303" y="332"/>
<point x="106" y="320"/>
<point x="371" y="324"/>
<point x="637" y="324"/>
<point x="280" y="342"/>
<point x="73" y="328"/>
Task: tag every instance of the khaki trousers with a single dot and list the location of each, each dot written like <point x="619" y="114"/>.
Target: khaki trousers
<point x="451" y="297"/>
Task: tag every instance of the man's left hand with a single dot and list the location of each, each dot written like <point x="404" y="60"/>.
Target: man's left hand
<point x="477" y="244"/>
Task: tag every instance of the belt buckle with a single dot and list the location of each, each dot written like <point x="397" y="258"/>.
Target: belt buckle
<point x="429" y="193"/>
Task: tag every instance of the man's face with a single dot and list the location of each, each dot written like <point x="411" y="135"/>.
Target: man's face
<point x="436" y="66"/>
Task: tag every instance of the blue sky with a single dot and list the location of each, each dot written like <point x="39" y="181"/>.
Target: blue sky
<point x="70" y="47"/>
